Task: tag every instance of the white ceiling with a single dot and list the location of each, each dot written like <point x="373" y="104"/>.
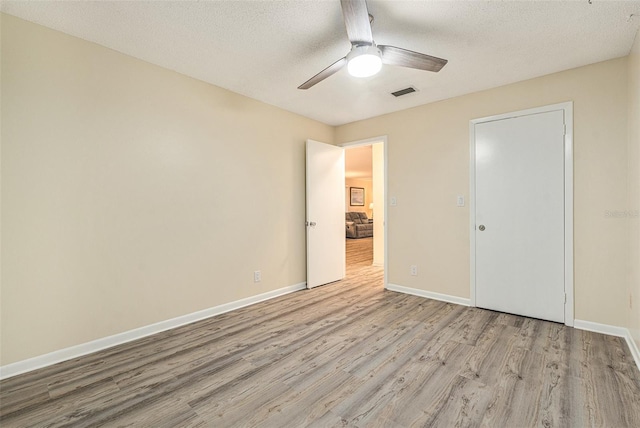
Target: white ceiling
<point x="265" y="49"/>
<point x="358" y="162"/>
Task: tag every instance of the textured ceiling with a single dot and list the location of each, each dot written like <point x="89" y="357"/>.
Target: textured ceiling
<point x="265" y="49"/>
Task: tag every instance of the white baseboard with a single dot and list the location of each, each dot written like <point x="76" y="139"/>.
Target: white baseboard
<point x="429" y="294"/>
<point x="612" y="331"/>
<point x="55" y="357"/>
<point x="633" y="347"/>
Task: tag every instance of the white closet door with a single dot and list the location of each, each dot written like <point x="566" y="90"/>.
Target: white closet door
<point x="519" y="204"/>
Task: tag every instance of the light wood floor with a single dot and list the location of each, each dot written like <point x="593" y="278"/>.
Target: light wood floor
<point x="360" y="254"/>
<point x="346" y="354"/>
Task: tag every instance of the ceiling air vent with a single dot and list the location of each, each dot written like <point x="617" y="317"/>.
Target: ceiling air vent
<point x="404" y="91"/>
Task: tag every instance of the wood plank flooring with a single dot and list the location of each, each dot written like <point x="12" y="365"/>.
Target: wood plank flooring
<point x="346" y="354"/>
<point x="359" y="253"/>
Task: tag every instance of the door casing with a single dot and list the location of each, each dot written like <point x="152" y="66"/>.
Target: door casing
<point x="567" y="109"/>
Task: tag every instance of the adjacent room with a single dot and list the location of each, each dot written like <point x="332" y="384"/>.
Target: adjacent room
<point x="364" y="185"/>
<point x="320" y="213"/>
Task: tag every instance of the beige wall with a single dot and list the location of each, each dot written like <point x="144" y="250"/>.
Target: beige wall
<point x="428" y="165"/>
<point x="634" y="189"/>
<point x="121" y="183"/>
<point x="1" y="192"/>
<point x="367" y="185"/>
<point x="132" y="194"/>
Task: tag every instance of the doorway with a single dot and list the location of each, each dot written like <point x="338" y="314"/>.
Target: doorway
<point x="365" y="189"/>
<point x="326" y="208"/>
<point x="359" y="204"/>
<point x="522" y="213"/>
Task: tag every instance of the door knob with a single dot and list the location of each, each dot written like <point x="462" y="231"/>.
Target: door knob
<point x="481" y="227"/>
<point x="312" y="224"/>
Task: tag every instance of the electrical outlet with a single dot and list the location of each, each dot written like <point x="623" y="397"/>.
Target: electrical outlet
<point x="393" y="201"/>
<point x="460" y="201"/>
<point x="257" y="276"/>
<point x="414" y="270"/>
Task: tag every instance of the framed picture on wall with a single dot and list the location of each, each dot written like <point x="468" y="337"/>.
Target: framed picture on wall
<point x="357" y="196"/>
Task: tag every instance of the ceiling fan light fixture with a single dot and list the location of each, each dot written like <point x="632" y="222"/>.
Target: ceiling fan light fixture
<point x="364" y="61"/>
<point x="365" y="58"/>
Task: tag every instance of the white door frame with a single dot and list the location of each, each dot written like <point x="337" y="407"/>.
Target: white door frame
<point x="366" y="142"/>
<point x="567" y="109"/>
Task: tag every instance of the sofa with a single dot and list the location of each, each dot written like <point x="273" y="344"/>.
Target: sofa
<point x="358" y="225"/>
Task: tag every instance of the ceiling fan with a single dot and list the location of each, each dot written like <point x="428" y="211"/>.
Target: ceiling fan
<point x="366" y="58"/>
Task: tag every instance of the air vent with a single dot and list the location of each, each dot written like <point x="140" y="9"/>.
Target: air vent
<point x="404" y="91"/>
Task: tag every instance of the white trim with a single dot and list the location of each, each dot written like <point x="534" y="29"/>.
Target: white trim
<point x="568" y="213"/>
<point x="633" y="347"/>
<point x="595" y="327"/>
<point x="567" y="108"/>
<point x="472" y="213"/>
<point x="366" y="142"/>
<point x="429" y="294"/>
<point x="612" y="331"/>
<point x="76" y="351"/>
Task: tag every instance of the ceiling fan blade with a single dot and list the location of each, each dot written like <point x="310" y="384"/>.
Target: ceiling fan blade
<point x="332" y="69"/>
<point x="356" y="19"/>
<point x="405" y="58"/>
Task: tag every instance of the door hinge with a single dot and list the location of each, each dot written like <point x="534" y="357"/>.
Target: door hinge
<point x="564" y="129"/>
<point x="565" y="298"/>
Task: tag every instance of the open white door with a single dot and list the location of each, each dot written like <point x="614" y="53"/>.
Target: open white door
<point x="325" y="214"/>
